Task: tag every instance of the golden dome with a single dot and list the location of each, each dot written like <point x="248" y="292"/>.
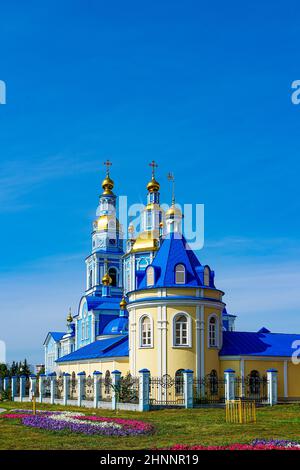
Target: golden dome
<point x="106" y="280"/>
<point x="107" y="222"/>
<point x="69" y="317"/>
<point x="131" y="229"/>
<point x="153" y="185"/>
<point x="107" y="185"/>
<point x="123" y="304"/>
<point x="146" y="241"/>
<point x="174" y="212"/>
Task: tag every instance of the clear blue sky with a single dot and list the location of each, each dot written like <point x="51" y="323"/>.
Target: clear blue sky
<point x="201" y="87"/>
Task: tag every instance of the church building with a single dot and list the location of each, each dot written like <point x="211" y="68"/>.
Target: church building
<point x="150" y="303"/>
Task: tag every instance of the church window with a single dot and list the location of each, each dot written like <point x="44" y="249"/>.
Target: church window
<point x="90" y="278"/>
<point x="254" y="383"/>
<point x="180" y="274"/>
<point x="213" y="382"/>
<point x="206" y="275"/>
<point x="150" y="276"/>
<point x="181" y="331"/>
<point x="145" y="332"/>
<point x="212" y="332"/>
<point x="148" y="220"/>
<point x="113" y="274"/>
<point x="179" y="382"/>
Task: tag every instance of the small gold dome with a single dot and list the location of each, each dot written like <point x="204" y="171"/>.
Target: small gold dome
<point x="106" y="280"/>
<point x="107" y="185"/>
<point x="174" y="212"/>
<point x="123" y="304"/>
<point x="131" y="229"/>
<point x="69" y="317"/>
<point x="153" y="185"/>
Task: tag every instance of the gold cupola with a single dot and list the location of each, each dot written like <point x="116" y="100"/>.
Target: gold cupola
<point x="123" y="304"/>
<point x="106" y="280"/>
<point x="153" y="185"/>
<point x="69" y="317"/>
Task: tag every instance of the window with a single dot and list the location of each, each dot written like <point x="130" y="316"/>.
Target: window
<point x="213" y="382"/>
<point x="254" y="382"/>
<point x="107" y="383"/>
<point x="213" y="332"/>
<point x="181" y="331"/>
<point x="146" y="332"/>
<point x="90" y="278"/>
<point x="180" y="274"/>
<point x="206" y="275"/>
<point x="150" y="276"/>
<point x="148" y="220"/>
<point x="113" y="274"/>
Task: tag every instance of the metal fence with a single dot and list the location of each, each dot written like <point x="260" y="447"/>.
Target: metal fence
<point x="88" y="388"/>
<point x="252" y="388"/>
<point x="209" y="390"/>
<point x="166" y="391"/>
<point x="129" y="389"/>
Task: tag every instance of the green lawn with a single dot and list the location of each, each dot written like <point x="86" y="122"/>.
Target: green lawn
<point x="198" y="426"/>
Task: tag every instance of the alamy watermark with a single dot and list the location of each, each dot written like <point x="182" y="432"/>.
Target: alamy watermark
<point x="2" y="92"/>
<point x="2" y="352"/>
<point x="295" y="97"/>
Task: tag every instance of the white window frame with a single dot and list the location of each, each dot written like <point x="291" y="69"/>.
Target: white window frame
<point x="180" y="272"/>
<point x="189" y="330"/>
<point x="141" y="320"/>
<point x="217" y="332"/>
<point x="148" y="270"/>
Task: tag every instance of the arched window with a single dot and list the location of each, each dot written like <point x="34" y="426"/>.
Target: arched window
<point x="181" y="331"/>
<point x="180" y="274"/>
<point x="206" y="275"/>
<point x="179" y="387"/>
<point x="113" y="274"/>
<point x="90" y="278"/>
<point x="145" y="332"/>
<point x="142" y="264"/>
<point x="213" y="382"/>
<point x="254" y="383"/>
<point x="213" y="332"/>
<point x="150" y="276"/>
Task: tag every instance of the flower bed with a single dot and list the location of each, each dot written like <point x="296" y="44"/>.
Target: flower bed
<point x="79" y="423"/>
<point x="257" y="444"/>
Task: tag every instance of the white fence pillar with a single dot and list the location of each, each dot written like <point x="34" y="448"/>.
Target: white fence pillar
<point x="97" y="389"/>
<point x="66" y="385"/>
<point x="229" y="376"/>
<point x="14" y="380"/>
<point x="6" y="383"/>
<point x="188" y="387"/>
<point x="52" y="387"/>
<point x="144" y="390"/>
<point x="116" y="377"/>
<point x="272" y="376"/>
<point x="32" y="386"/>
<point x="80" y="384"/>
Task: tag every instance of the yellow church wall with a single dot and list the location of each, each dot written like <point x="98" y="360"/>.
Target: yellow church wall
<point x="234" y="365"/>
<point x="90" y="367"/>
<point x="213" y="294"/>
<point x="145" y="358"/>
<point x="145" y="294"/>
<point x="262" y="366"/>
<point x="181" y="292"/>
<point x="293" y="386"/>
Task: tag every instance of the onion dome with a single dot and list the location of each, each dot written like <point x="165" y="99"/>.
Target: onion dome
<point x="153" y="185"/>
<point x="123" y="304"/>
<point x="69" y="317"/>
<point x="174" y="211"/>
<point x="107" y="185"/>
<point x="106" y="280"/>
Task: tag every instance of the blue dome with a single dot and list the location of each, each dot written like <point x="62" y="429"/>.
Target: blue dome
<point x="118" y="326"/>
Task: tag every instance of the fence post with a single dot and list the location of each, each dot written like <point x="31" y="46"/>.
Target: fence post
<point x="97" y="394"/>
<point x="229" y="376"/>
<point x="32" y="386"/>
<point x="1" y="384"/>
<point x="188" y="383"/>
<point x="144" y="389"/>
<point x="80" y="377"/>
<point x="22" y="386"/>
<point x="52" y="387"/>
<point x="116" y="377"/>
<point x="41" y="385"/>
<point x="66" y="385"/>
<point x="14" y="387"/>
<point x="272" y="376"/>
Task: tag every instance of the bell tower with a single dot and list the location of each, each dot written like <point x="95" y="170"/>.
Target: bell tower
<point x="107" y="242"/>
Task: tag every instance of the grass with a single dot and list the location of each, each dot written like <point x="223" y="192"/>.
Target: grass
<point x="197" y="426"/>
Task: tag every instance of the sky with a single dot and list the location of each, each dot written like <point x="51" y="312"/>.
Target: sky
<point x="204" y="89"/>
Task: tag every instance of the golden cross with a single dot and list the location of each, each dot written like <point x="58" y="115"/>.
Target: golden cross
<point x="107" y="164"/>
<point x="154" y="165"/>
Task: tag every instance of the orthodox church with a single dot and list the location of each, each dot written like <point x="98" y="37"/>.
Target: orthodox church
<point x="152" y="304"/>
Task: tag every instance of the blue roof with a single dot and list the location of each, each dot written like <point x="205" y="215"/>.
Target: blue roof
<point x="102" y="303"/>
<point x="116" y="326"/>
<point x="56" y="335"/>
<point x="237" y="343"/>
<point x="111" y="347"/>
<point x="174" y="250"/>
